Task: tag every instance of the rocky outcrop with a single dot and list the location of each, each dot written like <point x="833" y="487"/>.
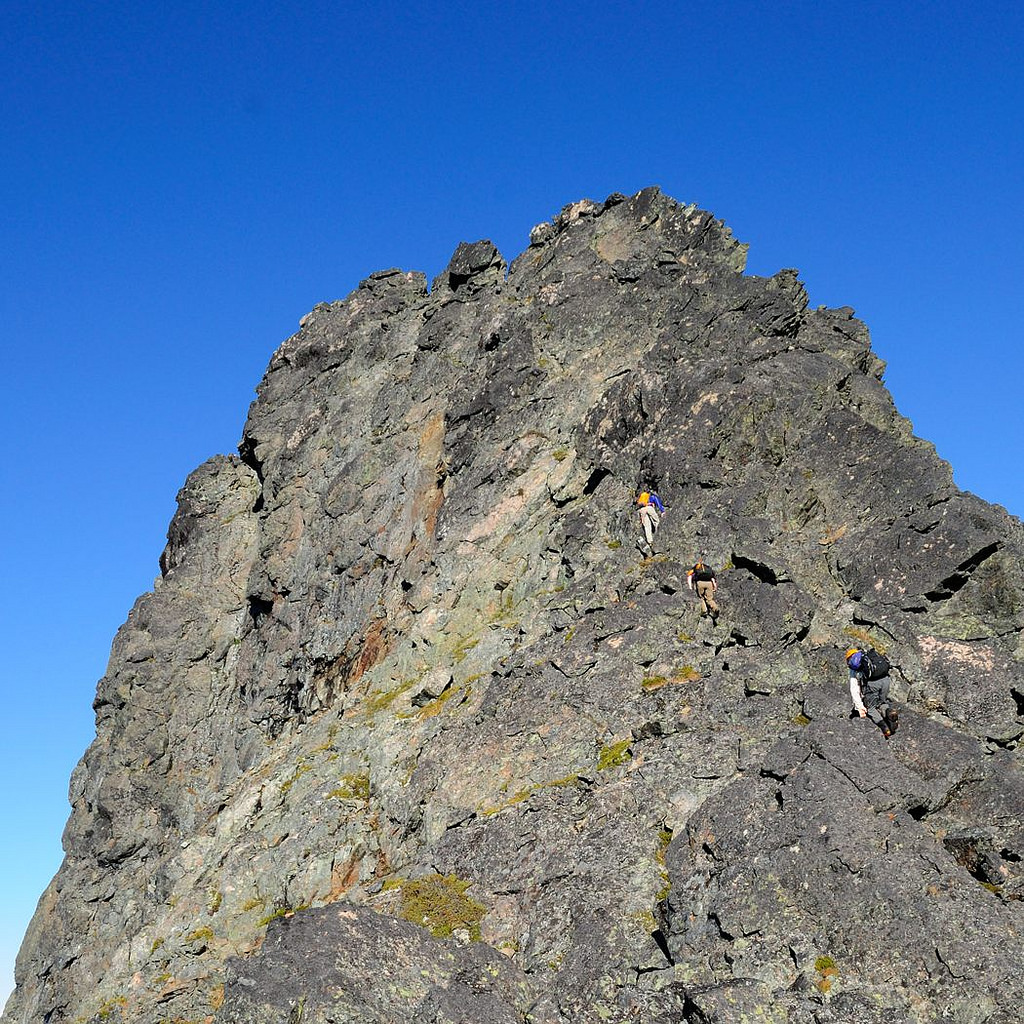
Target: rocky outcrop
<point x="409" y="729"/>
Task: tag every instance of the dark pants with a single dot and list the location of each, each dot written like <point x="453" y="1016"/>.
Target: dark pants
<point x="875" y="694"/>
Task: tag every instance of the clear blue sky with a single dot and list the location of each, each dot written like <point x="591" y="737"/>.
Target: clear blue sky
<point x="181" y="182"/>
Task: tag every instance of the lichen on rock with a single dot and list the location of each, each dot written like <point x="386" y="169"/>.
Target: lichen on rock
<point x="410" y="729"/>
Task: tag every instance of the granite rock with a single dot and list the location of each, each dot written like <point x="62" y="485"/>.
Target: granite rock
<point x="410" y="729"/>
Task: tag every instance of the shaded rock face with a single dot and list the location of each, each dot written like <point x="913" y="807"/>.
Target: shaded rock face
<point x="410" y="730"/>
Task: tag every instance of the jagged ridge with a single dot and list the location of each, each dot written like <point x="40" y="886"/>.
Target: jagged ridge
<point x="405" y="668"/>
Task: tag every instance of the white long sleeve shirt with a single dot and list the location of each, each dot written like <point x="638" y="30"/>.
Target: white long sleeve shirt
<point x="855" y="696"/>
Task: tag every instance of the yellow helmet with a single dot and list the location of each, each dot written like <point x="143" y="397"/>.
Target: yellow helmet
<point x="851" y="652"/>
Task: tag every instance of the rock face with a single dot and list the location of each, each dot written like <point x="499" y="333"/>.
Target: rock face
<point x="410" y="730"/>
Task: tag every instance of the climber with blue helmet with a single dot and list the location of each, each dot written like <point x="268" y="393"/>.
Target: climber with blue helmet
<point x="869" y="688"/>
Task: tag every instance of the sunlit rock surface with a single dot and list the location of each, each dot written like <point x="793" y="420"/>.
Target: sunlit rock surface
<point x="409" y="730"/>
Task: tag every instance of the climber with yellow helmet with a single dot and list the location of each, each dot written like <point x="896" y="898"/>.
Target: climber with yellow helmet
<point x="651" y="510"/>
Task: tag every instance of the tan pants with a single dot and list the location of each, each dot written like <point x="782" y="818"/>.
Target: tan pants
<point x="706" y="593"/>
<point x="650" y="520"/>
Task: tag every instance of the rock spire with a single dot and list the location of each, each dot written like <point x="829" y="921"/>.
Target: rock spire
<point x="409" y="729"/>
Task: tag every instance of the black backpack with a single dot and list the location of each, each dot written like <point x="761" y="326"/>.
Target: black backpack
<point x="703" y="573"/>
<point x="874" y="665"/>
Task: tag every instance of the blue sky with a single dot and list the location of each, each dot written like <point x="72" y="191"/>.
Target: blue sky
<point x="180" y="183"/>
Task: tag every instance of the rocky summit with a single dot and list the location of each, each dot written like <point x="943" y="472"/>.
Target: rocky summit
<point x="410" y="730"/>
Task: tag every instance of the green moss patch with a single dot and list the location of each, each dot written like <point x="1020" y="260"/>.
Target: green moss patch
<point x="864" y="638"/>
<point x="281" y="912"/>
<point x="614" y="755"/>
<point x="437" y="705"/>
<point x="352" y="787"/>
<point x="300" y="769"/>
<point x="682" y="674"/>
<point x="660" y="854"/>
<point x="461" y="650"/>
<point x="828" y="972"/>
<point x="381" y="700"/>
<point x="439" y="903"/>
<point x="653" y="682"/>
<point x="525" y="794"/>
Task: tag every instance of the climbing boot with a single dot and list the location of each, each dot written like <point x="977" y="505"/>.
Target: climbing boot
<point x="892" y="718"/>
